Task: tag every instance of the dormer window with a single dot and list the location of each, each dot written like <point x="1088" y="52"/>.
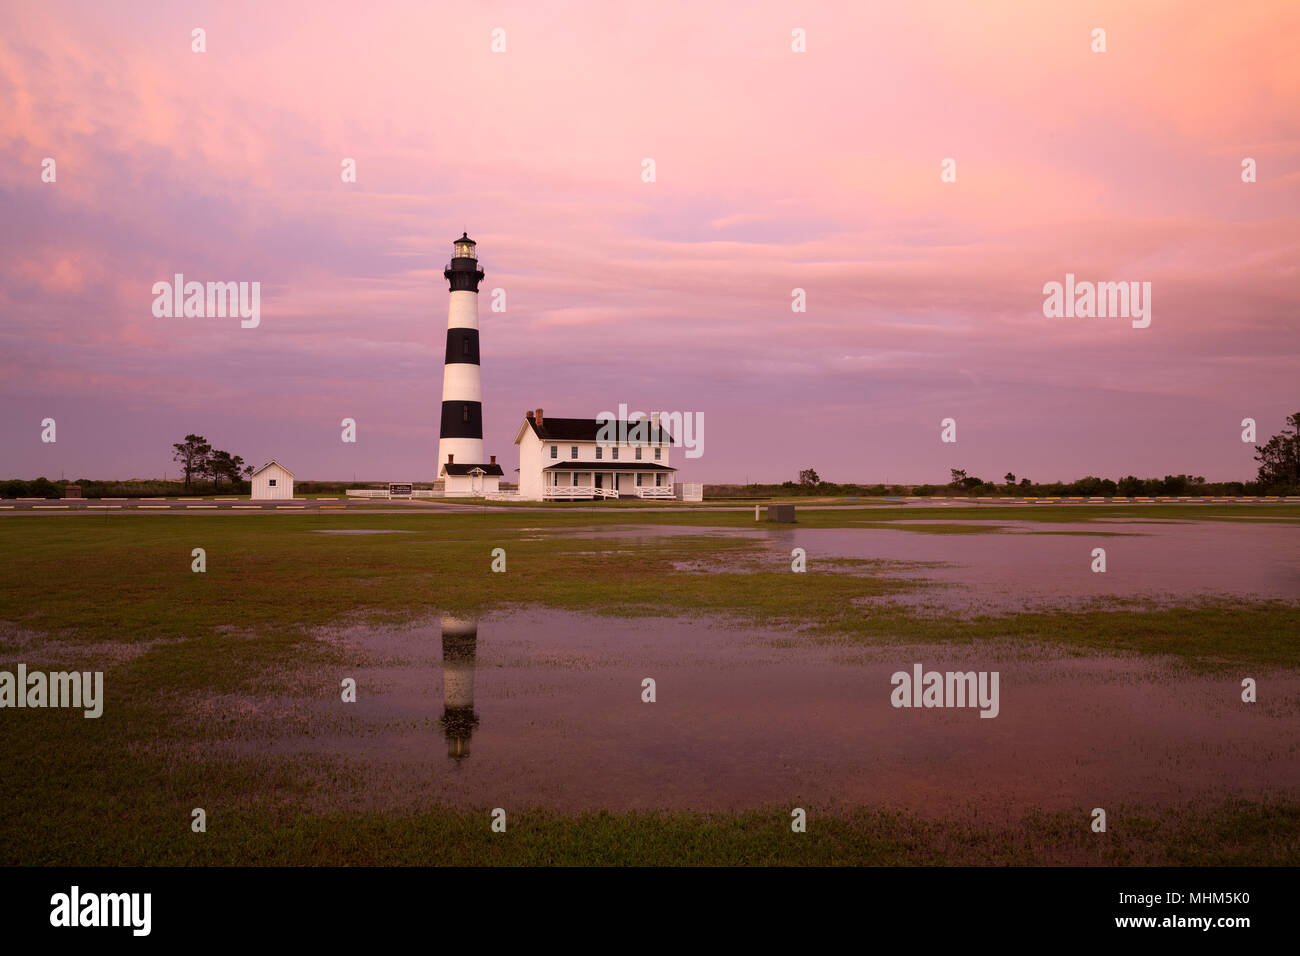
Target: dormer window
<point x="638" y="453"/>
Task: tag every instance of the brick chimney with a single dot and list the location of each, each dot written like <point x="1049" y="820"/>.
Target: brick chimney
<point x="494" y="459"/>
<point x="539" y="416"/>
<point x="529" y="414"/>
<point x="451" y="459"/>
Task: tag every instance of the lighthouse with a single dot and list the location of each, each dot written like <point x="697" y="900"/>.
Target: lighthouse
<point x="459" y="649"/>
<point x="460" y="439"/>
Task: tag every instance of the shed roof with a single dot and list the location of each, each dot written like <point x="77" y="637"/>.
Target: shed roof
<point x="269" y="464"/>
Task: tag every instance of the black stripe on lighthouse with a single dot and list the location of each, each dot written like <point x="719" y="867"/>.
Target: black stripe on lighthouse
<point x="462" y="347"/>
<point x="462" y="420"/>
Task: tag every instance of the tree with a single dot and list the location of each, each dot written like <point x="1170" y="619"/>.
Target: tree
<point x="958" y="477"/>
<point x="1009" y="478"/>
<point x="222" y="465"/>
<point x="192" y="455"/>
<point x="1130" y="485"/>
<point x="1279" y="459"/>
<point x="808" y="477"/>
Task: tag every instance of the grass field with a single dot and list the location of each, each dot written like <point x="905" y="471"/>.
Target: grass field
<point x="119" y="592"/>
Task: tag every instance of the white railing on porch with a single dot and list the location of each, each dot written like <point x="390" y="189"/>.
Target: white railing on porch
<point x="577" y="491"/>
<point x="655" y="491"/>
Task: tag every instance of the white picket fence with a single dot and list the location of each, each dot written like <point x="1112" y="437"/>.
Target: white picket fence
<point x="689" y="491"/>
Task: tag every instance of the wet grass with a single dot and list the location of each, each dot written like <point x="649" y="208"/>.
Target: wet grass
<point x="119" y="790"/>
<point x="138" y="813"/>
<point x="271" y="581"/>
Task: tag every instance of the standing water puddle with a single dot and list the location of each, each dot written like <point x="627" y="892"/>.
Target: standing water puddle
<point x="542" y="708"/>
<point x="1031" y="565"/>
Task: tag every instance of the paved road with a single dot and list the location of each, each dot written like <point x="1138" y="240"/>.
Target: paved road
<point x="223" y="505"/>
<point x="66" y="506"/>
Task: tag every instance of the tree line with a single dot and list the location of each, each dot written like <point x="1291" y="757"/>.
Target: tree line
<point x="199" y="460"/>
<point x="1278" y="474"/>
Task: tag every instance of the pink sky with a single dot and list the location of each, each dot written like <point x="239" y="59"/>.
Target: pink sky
<point x="775" y="170"/>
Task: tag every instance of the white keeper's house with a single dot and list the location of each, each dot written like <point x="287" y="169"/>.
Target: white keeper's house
<point x="568" y="458"/>
<point x="272" y="481"/>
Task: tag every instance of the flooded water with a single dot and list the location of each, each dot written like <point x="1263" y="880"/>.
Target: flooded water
<point x="542" y="708"/>
<point x="1030" y="564"/>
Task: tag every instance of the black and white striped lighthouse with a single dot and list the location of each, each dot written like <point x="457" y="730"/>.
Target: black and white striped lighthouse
<point x="460" y="439"/>
<point x="459" y="650"/>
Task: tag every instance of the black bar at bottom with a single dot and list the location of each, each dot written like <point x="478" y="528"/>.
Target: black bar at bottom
<point x="975" y="906"/>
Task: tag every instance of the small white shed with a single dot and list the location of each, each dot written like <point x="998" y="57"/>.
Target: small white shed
<point x="272" y="480"/>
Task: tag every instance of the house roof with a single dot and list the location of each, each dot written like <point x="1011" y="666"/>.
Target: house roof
<point x="586" y="429"/>
<point x="607" y="466"/>
<point x="269" y="464"/>
<point x="460" y="469"/>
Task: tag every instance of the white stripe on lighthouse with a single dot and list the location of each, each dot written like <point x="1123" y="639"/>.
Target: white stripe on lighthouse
<point x="463" y="311"/>
<point x="467" y="451"/>
<point x="460" y="383"/>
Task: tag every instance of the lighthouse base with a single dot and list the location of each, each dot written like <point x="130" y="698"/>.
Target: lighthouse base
<point x="471" y="486"/>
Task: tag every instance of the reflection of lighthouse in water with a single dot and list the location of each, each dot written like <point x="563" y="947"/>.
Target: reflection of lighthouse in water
<point x="459" y="644"/>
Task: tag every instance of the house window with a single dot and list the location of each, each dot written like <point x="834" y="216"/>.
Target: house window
<point x="659" y="480"/>
<point x="464" y="413"/>
<point x="555" y="451"/>
<point x="615" y="451"/>
<point x="658" y="454"/>
<point x="638" y="453"/>
<point x="272" y="482"/>
<point x="465" y="346"/>
<point x="573" y="451"/>
<point x="638" y="479"/>
<point x="600" y="453"/>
